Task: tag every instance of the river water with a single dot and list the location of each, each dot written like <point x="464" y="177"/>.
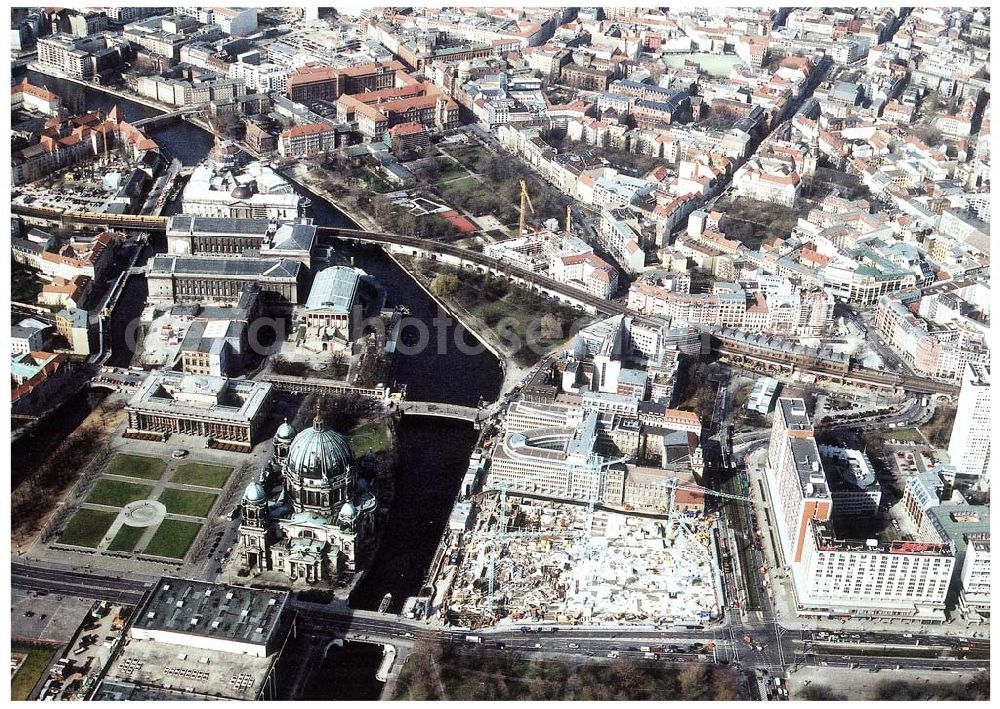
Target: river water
<point x="434" y="451"/>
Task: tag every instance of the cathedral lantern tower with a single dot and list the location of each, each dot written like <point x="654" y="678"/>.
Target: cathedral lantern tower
<point x="319" y="470"/>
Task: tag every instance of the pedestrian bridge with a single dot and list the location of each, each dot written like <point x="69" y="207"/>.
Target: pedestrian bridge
<point x="153" y="121"/>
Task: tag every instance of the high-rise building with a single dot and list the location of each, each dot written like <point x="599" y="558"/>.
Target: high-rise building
<point x="969" y="447"/>
<point x="798" y="476"/>
<point x="832" y="575"/>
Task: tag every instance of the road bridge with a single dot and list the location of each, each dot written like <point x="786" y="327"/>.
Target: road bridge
<point x="431" y="408"/>
<point x="797" y="648"/>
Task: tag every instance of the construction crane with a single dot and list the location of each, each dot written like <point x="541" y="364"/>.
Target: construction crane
<point x="569" y="220"/>
<point x="525" y="204"/>
<point x="500" y="534"/>
<point x="673" y="485"/>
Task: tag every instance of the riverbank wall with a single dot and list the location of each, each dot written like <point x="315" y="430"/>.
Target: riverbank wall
<point x="510" y="370"/>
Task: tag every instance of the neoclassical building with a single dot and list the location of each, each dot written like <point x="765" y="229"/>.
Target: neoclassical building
<point x="312" y="515"/>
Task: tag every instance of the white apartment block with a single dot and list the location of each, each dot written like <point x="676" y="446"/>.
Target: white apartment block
<point x="263" y="78"/>
<point x="969" y="447"/>
<point x="975" y="593"/>
<point x="621" y="240"/>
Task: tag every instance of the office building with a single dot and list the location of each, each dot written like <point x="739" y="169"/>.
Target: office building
<point x="82" y="57"/>
<point x="975" y="593"/>
<point x="833" y="576"/>
<point x="558" y="462"/>
<point x="969" y="447"/>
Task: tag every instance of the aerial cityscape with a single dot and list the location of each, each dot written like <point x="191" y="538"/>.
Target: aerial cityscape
<point x="490" y="353"/>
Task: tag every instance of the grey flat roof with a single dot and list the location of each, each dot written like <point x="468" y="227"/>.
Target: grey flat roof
<point x="958" y="522"/>
<point x="191" y="224"/>
<point x="200" y="396"/>
<point x="235" y="613"/>
<point x="224" y="266"/>
<point x="794" y="411"/>
<point x="808" y="466"/>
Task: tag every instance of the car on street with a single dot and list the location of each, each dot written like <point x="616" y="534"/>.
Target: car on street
<point x="178" y="453"/>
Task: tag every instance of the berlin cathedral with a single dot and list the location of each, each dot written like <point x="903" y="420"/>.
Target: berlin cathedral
<point x="312" y="515"/>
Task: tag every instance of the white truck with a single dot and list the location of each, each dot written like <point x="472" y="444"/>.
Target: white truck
<point x="473" y="639"/>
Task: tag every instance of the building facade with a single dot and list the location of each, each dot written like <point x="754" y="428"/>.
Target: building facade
<point x="969" y="447"/>
<point x="312" y="517"/>
<point x="228" y="412"/>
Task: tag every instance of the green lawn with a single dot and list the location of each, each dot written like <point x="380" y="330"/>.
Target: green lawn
<point x="30" y="671"/>
<point x="88" y="527"/>
<point x="465" y="186"/>
<point x="372" y="435"/>
<point x="137" y="466"/>
<point x="126" y="538"/>
<point x="902" y="434"/>
<point x="202" y="474"/>
<point x="187" y="502"/>
<point x="117" y="493"/>
<point x="468" y="156"/>
<point x="172" y="538"/>
<point x="449" y="169"/>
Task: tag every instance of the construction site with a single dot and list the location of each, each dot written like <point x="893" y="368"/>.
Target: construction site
<point x="530" y="561"/>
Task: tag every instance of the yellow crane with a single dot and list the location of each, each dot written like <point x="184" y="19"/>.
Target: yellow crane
<point x="569" y="220"/>
<point x="525" y="203"/>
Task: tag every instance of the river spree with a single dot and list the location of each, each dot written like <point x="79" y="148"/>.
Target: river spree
<point x="434" y="451"/>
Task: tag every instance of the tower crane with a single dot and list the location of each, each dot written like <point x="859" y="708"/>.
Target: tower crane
<point x="500" y="534"/>
<point x="673" y="485"/>
<point x="525" y="204"/>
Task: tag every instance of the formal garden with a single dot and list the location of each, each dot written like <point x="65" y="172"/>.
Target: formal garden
<point x="147" y="506"/>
